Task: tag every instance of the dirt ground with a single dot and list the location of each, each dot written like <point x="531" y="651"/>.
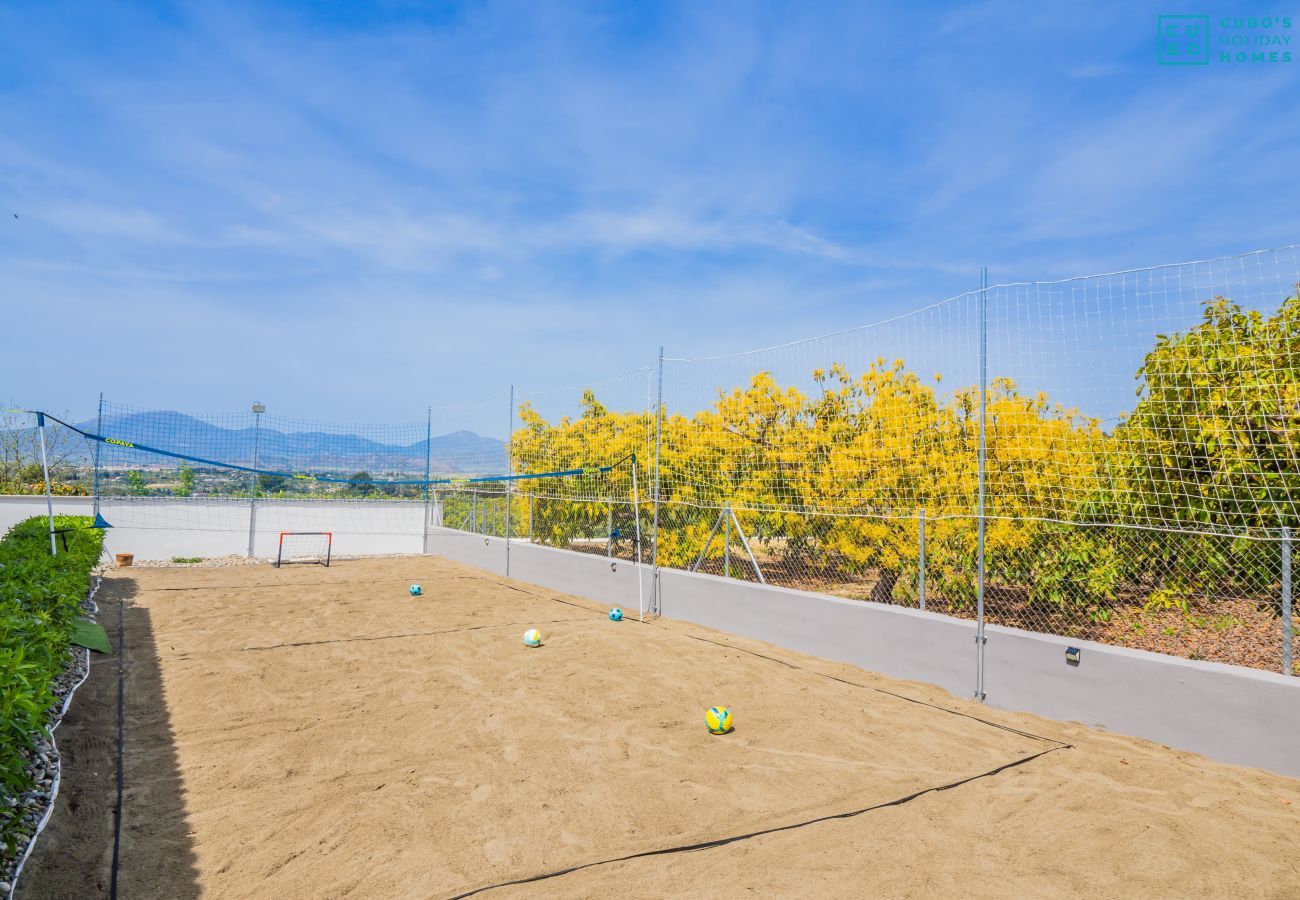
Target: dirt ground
<point x="312" y="732"/>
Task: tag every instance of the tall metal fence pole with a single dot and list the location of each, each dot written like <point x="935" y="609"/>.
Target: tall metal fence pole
<point x="258" y="409"/>
<point x="428" y="463"/>
<point x="99" y="429"/>
<point x="1287" y="665"/>
<point x="726" y="544"/>
<point x="656" y="602"/>
<point x="920" y="576"/>
<point x="45" y="470"/>
<point x="510" y="470"/>
<point x="983" y="454"/>
<point x="636" y="546"/>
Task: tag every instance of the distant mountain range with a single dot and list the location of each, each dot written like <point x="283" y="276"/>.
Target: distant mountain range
<point x="459" y="453"/>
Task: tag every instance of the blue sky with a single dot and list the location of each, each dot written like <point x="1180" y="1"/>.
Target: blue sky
<point x="352" y="212"/>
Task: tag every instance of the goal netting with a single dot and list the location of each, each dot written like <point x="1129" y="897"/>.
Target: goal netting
<point x="305" y="547"/>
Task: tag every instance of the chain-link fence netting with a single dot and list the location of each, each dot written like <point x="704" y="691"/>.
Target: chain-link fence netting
<point x="1130" y="441"/>
<point x="1138" y="434"/>
<point x="580" y="468"/>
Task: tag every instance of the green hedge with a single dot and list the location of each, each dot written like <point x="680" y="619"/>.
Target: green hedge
<point x="40" y="600"/>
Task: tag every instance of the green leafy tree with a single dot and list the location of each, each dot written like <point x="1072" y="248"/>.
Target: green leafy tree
<point x="362" y="484"/>
<point x="33" y="473"/>
<point x="1212" y="444"/>
<point x="20" y="453"/>
<point x="270" y="484"/>
<point x="186" y="488"/>
<point x="1215" y="435"/>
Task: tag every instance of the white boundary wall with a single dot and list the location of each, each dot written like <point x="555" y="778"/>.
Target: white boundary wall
<point x="161" y="529"/>
<point x="1233" y="714"/>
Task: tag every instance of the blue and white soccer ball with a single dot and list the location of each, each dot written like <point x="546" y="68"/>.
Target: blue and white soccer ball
<point x="615" y="614"/>
<point x="416" y="590"/>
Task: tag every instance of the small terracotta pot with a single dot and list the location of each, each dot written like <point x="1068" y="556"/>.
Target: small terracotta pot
<point x="125" y="559"/>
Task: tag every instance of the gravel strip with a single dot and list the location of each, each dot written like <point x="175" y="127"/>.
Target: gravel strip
<point x="215" y="562"/>
<point x="221" y="562"/>
<point x="43" y="765"/>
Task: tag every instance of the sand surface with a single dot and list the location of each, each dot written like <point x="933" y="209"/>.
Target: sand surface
<point x="312" y="732"/>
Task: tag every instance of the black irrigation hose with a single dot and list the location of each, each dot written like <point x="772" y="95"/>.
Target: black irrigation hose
<point x="650" y="621"/>
<point x="721" y="842"/>
<point x="252" y="587"/>
<point x="683" y="848"/>
<point x="121" y="742"/>
<point x="389" y="637"/>
<point x="718" y="842"/>
<point x="280" y="586"/>
<point x="954" y="712"/>
<point x="790" y="665"/>
<point x="520" y="590"/>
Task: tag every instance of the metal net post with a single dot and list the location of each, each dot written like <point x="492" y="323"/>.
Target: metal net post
<point x="656" y="601"/>
<point x="45" y="468"/>
<point x="258" y="409"/>
<point x="510" y="470"/>
<point x="1287" y="665"/>
<point x="983" y="461"/>
<point x="636" y="525"/>
<point x="726" y="542"/>
<point x="920" y="575"/>
<point x="99" y="429"/>
<point x="428" y="461"/>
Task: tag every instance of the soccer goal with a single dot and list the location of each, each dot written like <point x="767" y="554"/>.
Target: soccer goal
<point x="305" y="547"/>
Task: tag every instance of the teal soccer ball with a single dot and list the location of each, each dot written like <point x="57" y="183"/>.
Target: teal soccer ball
<point x="416" y="590"/>
<point x="615" y="614"/>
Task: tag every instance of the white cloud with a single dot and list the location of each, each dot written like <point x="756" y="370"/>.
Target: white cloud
<point x="449" y="198"/>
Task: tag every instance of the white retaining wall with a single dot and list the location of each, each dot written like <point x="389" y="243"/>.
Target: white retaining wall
<point x="161" y="529"/>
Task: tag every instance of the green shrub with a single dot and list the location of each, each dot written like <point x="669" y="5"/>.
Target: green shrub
<point x="40" y="600"/>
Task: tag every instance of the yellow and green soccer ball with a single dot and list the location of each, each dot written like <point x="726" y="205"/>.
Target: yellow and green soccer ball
<point x="718" y="718"/>
<point x="532" y="638"/>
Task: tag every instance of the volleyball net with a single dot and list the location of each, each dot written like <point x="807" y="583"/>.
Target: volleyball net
<point x="253" y="473"/>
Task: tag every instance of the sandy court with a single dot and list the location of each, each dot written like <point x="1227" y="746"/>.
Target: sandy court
<point x="325" y="735"/>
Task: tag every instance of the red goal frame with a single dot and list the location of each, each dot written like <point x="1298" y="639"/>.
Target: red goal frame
<point x="329" y="545"/>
